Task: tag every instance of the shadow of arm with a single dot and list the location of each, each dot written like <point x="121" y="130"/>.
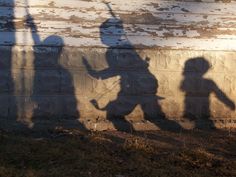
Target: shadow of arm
<point x="31" y="24"/>
<point x="224" y="98"/>
<point x="103" y="74"/>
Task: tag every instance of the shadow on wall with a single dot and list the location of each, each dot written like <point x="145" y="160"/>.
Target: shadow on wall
<point x="54" y="93"/>
<point x="53" y="87"/>
<point x="138" y="86"/>
<point x="10" y="105"/>
<point x="197" y="92"/>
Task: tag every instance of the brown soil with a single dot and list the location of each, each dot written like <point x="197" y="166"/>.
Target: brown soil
<point x="72" y="153"/>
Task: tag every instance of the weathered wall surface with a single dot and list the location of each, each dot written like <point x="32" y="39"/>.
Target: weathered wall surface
<point x="154" y="63"/>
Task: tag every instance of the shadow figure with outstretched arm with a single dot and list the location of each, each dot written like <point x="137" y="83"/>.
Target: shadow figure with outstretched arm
<point x="197" y="93"/>
<point x="53" y="89"/>
<point x="138" y="86"/>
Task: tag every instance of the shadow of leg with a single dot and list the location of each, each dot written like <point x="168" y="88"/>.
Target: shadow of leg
<point x="153" y="112"/>
<point x="116" y="112"/>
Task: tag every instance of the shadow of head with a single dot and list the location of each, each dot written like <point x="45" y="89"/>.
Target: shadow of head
<point x="199" y="65"/>
<point x="112" y="31"/>
<point x="54" y="41"/>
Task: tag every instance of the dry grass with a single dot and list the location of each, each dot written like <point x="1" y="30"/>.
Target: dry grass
<point x="72" y="153"/>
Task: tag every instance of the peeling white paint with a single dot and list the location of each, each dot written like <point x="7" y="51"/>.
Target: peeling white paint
<point x="164" y="24"/>
<point x="139" y="41"/>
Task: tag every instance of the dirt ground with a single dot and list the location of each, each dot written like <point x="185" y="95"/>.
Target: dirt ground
<point x="73" y="153"/>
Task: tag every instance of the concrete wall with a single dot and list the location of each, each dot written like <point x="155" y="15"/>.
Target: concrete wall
<point x="147" y="64"/>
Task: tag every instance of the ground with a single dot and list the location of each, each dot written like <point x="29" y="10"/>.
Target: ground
<point x="73" y="153"/>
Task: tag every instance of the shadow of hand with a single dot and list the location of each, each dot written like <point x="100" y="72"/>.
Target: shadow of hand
<point x="86" y="64"/>
<point x="91" y="72"/>
<point x="29" y="20"/>
<point x="232" y="106"/>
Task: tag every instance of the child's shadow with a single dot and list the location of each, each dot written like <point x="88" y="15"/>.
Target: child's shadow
<point x="138" y="86"/>
<point x="197" y="91"/>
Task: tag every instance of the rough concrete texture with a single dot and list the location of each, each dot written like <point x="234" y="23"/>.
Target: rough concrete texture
<point x="164" y="86"/>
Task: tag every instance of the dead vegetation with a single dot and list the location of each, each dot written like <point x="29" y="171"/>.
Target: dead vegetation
<point x="115" y="154"/>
